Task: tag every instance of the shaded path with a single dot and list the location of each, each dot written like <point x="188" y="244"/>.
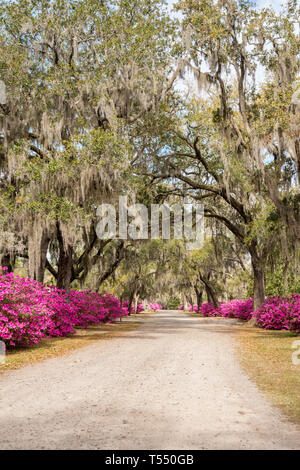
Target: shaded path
<point x="173" y="383"/>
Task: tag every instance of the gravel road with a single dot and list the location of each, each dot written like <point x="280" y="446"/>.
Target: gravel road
<point x="173" y="383"/>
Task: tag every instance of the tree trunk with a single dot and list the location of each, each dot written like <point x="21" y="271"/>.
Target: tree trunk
<point x="135" y="303"/>
<point x="7" y="260"/>
<point x="38" y="241"/>
<point x="65" y="268"/>
<point x="214" y="297"/>
<point x="131" y="297"/>
<point x="40" y="269"/>
<point x="258" y="268"/>
<point x="259" y="285"/>
<point x="285" y="278"/>
<point x="199" y="294"/>
<point x="65" y="263"/>
<point x="207" y="291"/>
<point x="211" y="295"/>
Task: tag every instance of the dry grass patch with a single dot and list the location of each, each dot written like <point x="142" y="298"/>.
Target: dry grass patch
<point x="266" y="356"/>
<point x="191" y="314"/>
<point x="144" y="314"/>
<point x="53" y="347"/>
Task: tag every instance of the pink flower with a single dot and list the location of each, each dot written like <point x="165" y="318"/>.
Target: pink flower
<point x="29" y="311"/>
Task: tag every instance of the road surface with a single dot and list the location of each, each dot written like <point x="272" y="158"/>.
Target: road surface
<point x="173" y="383"/>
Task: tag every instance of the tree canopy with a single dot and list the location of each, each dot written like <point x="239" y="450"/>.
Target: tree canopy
<point x="102" y="99"/>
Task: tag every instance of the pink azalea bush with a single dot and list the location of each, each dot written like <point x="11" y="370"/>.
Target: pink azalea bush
<point x="140" y="307"/>
<point x="30" y="310"/>
<point x="240" y="309"/>
<point x="209" y="310"/>
<point x="279" y="313"/>
<point x="193" y="308"/>
<point x="155" y="307"/>
<point x="125" y="306"/>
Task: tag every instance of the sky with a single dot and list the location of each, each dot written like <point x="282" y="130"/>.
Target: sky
<point x="266" y="3"/>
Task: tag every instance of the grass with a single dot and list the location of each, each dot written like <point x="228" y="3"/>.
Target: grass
<point x="266" y="356"/>
<point x="52" y="347"/>
<point x="192" y="314"/>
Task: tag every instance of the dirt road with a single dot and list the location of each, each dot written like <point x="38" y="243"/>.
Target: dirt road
<point x="173" y="383"/>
